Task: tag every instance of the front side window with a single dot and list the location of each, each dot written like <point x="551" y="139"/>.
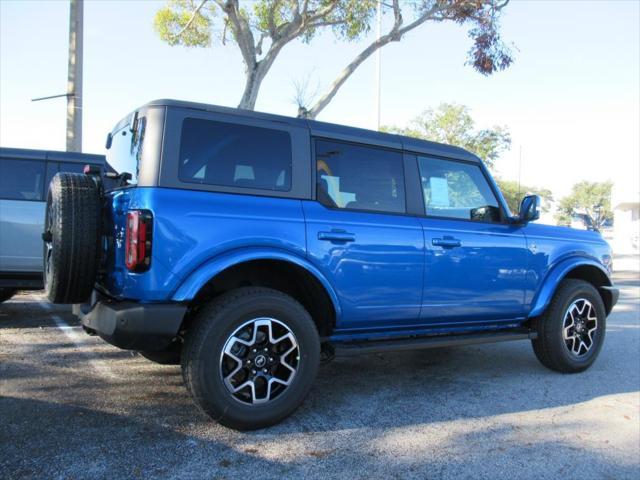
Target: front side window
<point x="356" y="177"/>
<point x="231" y="155"/>
<point x="457" y="190"/>
<point x="21" y="179"/>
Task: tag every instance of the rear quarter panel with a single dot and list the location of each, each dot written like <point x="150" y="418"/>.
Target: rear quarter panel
<point x="190" y="228"/>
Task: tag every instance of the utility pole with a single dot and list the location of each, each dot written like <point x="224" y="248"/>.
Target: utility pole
<point x="74" y="81"/>
<point x="520" y="173"/>
<point x="378" y="63"/>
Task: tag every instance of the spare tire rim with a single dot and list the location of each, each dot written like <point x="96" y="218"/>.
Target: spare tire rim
<point x="580" y="326"/>
<point x="259" y="361"/>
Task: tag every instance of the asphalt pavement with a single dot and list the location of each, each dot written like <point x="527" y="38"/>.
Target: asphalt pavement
<point x="73" y="407"/>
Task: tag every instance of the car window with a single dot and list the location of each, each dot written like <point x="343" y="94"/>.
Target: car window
<point x="356" y="177"/>
<point x="457" y="190"/>
<point x="217" y="153"/>
<point x="125" y="151"/>
<point x="52" y="169"/>
<point x="21" y="179"/>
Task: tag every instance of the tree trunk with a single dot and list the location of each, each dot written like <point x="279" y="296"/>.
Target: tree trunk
<point x="255" y="73"/>
<point x="394" y="35"/>
<point x="344" y="75"/>
<point x="251" y="88"/>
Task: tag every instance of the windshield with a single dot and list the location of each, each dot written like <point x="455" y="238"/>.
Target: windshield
<point x="126" y="147"/>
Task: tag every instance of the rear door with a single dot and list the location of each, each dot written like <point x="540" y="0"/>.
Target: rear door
<point x="360" y="236"/>
<point x="475" y="263"/>
<point x="21" y="215"/>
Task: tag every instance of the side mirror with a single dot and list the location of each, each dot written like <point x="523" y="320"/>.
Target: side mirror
<point x="529" y="209"/>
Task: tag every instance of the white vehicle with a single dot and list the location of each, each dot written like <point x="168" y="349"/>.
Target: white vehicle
<point x="24" y="176"/>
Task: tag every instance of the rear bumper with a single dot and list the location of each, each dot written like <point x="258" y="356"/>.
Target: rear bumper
<point x="132" y="325"/>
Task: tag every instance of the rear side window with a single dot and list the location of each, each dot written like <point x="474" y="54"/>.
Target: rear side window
<point x="21" y="179"/>
<point x="356" y="177"/>
<point x="457" y="190"/>
<point x="231" y="155"/>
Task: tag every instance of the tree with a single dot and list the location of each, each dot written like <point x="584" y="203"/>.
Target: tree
<point x="262" y="28"/>
<point x="513" y="193"/>
<point x="453" y="124"/>
<point x="587" y="198"/>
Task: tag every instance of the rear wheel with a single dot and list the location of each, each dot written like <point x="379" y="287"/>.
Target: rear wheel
<point x="6" y="294"/>
<point x="571" y="331"/>
<point x="71" y="237"/>
<point x="250" y="357"/>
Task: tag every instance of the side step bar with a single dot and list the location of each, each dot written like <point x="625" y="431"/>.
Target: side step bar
<point x="435" y="341"/>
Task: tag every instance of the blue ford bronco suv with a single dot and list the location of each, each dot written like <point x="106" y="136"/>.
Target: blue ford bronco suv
<point x="247" y="246"/>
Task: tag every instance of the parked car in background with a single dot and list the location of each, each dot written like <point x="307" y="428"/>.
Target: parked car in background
<point x="245" y="246"/>
<point x="24" y="177"/>
<point x="581" y="221"/>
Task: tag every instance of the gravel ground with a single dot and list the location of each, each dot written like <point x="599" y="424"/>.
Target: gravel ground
<point x="73" y="407"/>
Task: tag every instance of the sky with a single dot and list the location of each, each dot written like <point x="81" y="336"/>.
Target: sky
<point x="571" y="99"/>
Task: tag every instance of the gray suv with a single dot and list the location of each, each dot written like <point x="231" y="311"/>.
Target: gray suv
<point x="24" y="177"/>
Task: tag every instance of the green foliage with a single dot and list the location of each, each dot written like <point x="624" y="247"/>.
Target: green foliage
<point x="453" y="124"/>
<point x="590" y="198"/>
<point x="171" y="20"/>
<point x="513" y="195"/>
<point x="261" y="28"/>
<point x="349" y="19"/>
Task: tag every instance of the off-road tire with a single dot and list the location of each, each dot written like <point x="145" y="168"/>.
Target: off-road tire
<point x="6" y="294"/>
<point x="204" y="343"/>
<point x="550" y="347"/>
<point x="71" y="238"/>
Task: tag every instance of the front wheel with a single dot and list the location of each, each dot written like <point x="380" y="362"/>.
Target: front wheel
<point x="572" y="329"/>
<point x="250" y="357"/>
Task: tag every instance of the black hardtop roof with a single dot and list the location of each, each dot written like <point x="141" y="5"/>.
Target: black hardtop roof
<point x="54" y="156"/>
<point x="332" y="130"/>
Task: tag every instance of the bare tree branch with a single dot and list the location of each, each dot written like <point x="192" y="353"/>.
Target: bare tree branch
<point x="394" y="35"/>
<point x="191" y="20"/>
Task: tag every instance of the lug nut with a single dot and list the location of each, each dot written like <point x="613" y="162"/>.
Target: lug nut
<point x="271" y="359"/>
<point x="253" y="371"/>
<point x="254" y="350"/>
<point x="264" y="370"/>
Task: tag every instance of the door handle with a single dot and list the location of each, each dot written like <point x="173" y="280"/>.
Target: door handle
<point x="446" y="242"/>
<point x="337" y="236"/>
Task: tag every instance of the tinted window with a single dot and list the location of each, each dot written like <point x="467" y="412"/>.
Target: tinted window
<point x="457" y="190"/>
<point x="359" y="178"/>
<point x="230" y="155"/>
<point x="126" y="148"/>
<point x="52" y="169"/>
<point x="21" y="179"/>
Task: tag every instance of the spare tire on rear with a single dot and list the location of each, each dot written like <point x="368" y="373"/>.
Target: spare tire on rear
<point x="71" y="237"/>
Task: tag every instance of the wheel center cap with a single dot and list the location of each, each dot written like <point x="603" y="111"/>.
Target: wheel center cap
<point x="260" y="361"/>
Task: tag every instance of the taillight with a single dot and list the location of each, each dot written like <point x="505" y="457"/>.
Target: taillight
<point x="138" y="240"/>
